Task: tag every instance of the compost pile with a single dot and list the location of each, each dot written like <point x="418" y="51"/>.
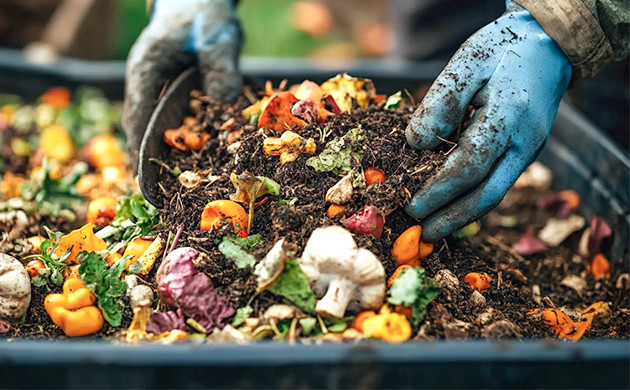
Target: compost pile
<point x="267" y="205"/>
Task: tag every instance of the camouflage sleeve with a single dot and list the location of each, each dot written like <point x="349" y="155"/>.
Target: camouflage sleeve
<point x="590" y="32"/>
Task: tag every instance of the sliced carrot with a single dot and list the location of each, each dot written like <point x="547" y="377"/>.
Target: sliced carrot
<point x="478" y="281"/>
<point x="600" y="267"/>
<point x="409" y="248"/>
<point x="571" y="198"/>
<point x="58" y="97"/>
<point x="373" y="176"/>
<point x="334" y="210"/>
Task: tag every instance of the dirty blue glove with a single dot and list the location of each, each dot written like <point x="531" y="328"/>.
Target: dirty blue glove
<point x="515" y="75"/>
<point x="181" y="33"/>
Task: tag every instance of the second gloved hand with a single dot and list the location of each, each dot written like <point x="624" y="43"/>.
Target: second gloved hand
<point x="181" y="33"/>
<point x="514" y="74"/>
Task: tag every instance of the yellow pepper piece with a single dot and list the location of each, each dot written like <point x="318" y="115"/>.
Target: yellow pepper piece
<point x="344" y="88"/>
<point x="56" y="144"/>
<point x="74" y="310"/>
<point x="82" y="239"/>
<point x="288" y="146"/>
<point x="392" y="327"/>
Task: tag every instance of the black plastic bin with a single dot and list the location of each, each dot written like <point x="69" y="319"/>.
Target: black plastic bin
<point x="581" y="157"/>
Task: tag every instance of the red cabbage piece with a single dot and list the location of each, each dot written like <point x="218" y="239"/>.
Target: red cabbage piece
<point x="199" y="302"/>
<point x="529" y="244"/>
<point x="165" y="322"/>
<point x="369" y="221"/>
<point x="305" y="110"/>
<point x="599" y="230"/>
<point x="174" y="272"/>
<point x="183" y="287"/>
<point x="4" y="326"/>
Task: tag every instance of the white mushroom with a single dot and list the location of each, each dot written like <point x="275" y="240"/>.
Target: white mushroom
<point x="344" y="276"/>
<point x="15" y="288"/>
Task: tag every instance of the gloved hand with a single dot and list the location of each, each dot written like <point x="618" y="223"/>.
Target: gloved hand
<point x="180" y="34"/>
<point x="515" y="75"/>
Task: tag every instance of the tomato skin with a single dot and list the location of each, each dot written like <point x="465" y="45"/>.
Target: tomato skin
<point x="33" y="267"/>
<point x="373" y="176"/>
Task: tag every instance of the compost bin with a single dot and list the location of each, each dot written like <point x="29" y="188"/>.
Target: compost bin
<point x="581" y="157"/>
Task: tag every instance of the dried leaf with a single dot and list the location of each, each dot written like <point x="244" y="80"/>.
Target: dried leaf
<point x="557" y="230"/>
<point x="249" y="187"/>
<point x="345" y="89"/>
<point x="529" y="244"/>
<point x="574" y="282"/>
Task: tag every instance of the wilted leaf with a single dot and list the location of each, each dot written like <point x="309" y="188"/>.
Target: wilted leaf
<point x="242" y="313"/>
<point x="249" y="187"/>
<point x="236" y="253"/>
<point x="414" y="289"/>
<point x="294" y="286"/>
<point x="341" y="155"/>
<point x="165" y="322"/>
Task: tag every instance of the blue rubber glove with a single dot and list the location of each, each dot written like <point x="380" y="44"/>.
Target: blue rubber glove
<point x="181" y="33"/>
<point x="515" y="75"/>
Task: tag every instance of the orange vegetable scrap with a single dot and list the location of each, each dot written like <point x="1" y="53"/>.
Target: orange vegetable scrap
<point x="392" y="327"/>
<point x="10" y="186"/>
<point x="600" y="267"/>
<point x="312" y="92"/>
<point x="478" y="281"/>
<point x="571" y="198"/>
<point x="409" y="248"/>
<point x="102" y="210"/>
<point x="33" y="267"/>
<point x="221" y="210"/>
<point x="135" y="249"/>
<point x="562" y="325"/>
<point x="396" y="274"/>
<point x="335" y="210"/>
<point x="74" y="310"/>
<point x="58" y="97"/>
<point x="105" y="151"/>
<point x="56" y="143"/>
<point x="112" y="258"/>
<point x="277" y="114"/>
<point x="373" y="176"/>
<point x="82" y="239"/>
<point x="288" y="146"/>
<point x="188" y="136"/>
<point x="36" y="241"/>
<point x="360" y="319"/>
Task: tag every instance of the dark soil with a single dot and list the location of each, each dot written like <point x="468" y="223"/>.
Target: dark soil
<point x="513" y="276"/>
<point x="300" y="208"/>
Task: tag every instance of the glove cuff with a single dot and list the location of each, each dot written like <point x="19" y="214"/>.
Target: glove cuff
<point x="576" y="30"/>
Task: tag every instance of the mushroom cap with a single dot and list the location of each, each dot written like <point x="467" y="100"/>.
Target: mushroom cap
<point x="15" y="288"/>
<point x="331" y="254"/>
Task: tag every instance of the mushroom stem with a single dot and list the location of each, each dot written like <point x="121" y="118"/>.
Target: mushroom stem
<point x="334" y="303"/>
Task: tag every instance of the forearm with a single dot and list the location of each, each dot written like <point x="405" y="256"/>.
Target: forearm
<point x="590" y="32"/>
